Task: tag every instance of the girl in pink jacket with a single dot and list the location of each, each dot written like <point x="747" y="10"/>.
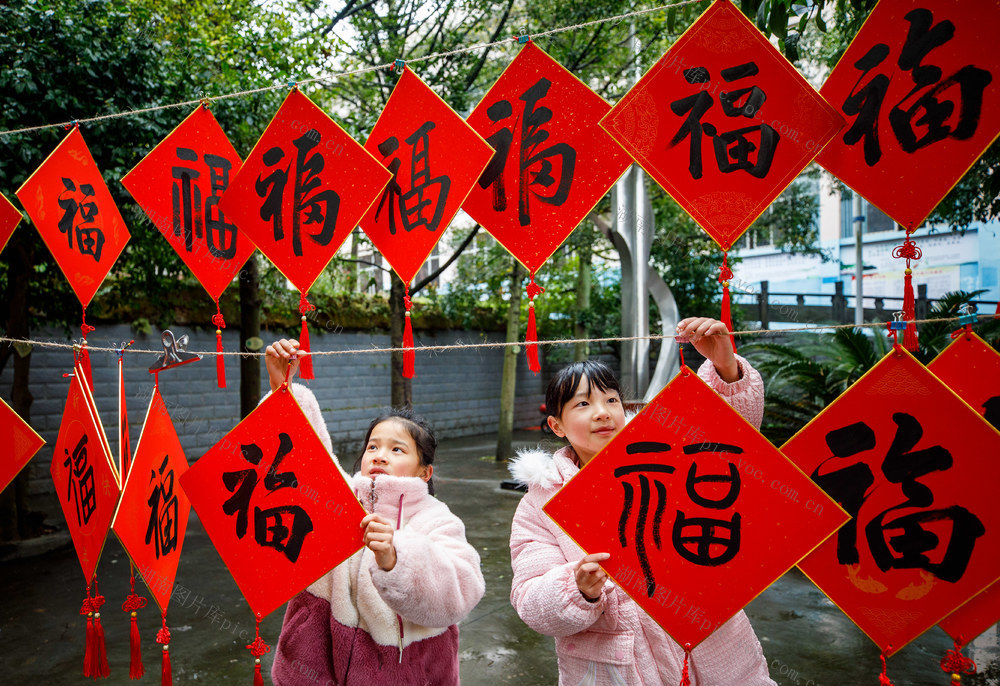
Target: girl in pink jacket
<point x="389" y="613"/>
<point x="602" y="636"/>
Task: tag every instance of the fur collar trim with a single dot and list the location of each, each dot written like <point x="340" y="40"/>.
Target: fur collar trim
<point x="536" y="467"/>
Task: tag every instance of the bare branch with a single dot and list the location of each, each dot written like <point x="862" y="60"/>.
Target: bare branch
<point x="454" y="256"/>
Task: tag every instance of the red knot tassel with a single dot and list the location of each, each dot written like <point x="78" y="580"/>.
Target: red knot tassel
<point x="84" y="356"/>
<point x="883" y="678"/>
<point x="305" y="362"/>
<point x="220" y="361"/>
<point x="88" y="655"/>
<point x="725" y="274"/>
<point x="908" y="251"/>
<point x="910" y="335"/>
<point x="132" y="604"/>
<point x="408" y="355"/>
<point x="685" y="678"/>
<point x="531" y="335"/>
<point x="100" y="650"/>
<point x="163" y="636"/>
<point x="956" y="664"/>
<point x="258" y="648"/>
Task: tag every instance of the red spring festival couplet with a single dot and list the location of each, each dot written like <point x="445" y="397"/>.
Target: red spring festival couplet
<point x="553" y="163"/>
<point x="916" y="469"/>
<point x="22" y="444"/>
<point x="179" y="185"/>
<point x="699" y="512"/>
<point x="723" y="122"/>
<point x="70" y="205"/>
<point x="920" y="91"/>
<point x="10" y="216"/>
<point x="435" y="159"/>
<point x="274" y="503"/>
<point x="299" y="194"/>
<point x="971" y="367"/>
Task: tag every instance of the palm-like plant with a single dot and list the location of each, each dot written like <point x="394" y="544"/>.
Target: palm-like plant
<point x="809" y="372"/>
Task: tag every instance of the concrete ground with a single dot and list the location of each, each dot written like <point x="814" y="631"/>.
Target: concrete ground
<point x="807" y="641"/>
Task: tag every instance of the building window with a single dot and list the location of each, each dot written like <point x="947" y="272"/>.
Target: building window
<point x="876" y="221"/>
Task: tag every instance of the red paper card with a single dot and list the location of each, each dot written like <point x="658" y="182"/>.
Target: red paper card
<point x="916" y="468"/>
<point x="69" y="203"/>
<point x="920" y="91"/>
<point x="971" y="368"/>
<point x="723" y="122"/>
<point x="303" y="189"/>
<point x="179" y="185"/>
<point x="22" y="442"/>
<point x="10" y="216"/>
<point x="971" y="620"/>
<point x="274" y="503"/>
<point x="553" y="163"/>
<point x="699" y="512"/>
<point x="153" y="513"/>
<point x="435" y="158"/>
<point x="84" y="478"/>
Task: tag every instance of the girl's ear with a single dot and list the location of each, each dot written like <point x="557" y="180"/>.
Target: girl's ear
<point x="556" y="427"/>
<point x="427" y="471"/>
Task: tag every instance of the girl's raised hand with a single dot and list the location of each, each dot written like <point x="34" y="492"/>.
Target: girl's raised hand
<point x="378" y="539"/>
<point x="710" y="338"/>
<point x="590" y="577"/>
<point x="278" y="357"/>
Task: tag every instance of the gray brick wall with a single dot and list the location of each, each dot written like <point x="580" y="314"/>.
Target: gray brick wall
<point x="458" y="391"/>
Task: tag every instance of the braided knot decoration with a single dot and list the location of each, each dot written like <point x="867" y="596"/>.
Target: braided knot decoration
<point x="87" y="606"/>
<point x="533" y="289"/>
<point x="163" y="635"/>
<point x="954" y="662"/>
<point x="218" y="320"/>
<point x="725" y="273"/>
<point x="407" y="301"/>
<point x="908" y="250"/>
<point x="258" y="647"/>
<point x="305" y="305"/>
<point x="133" y="602"/>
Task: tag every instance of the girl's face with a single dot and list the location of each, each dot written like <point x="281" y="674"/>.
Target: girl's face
<point x="391" y="450"/>
<point x="589" y="419"/>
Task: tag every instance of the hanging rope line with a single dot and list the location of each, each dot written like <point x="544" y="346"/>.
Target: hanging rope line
<point x="480" y="346"/>
<point x="329" y="78"/>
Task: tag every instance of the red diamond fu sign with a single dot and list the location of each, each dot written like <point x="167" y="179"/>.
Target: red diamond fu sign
<point x="699" y="512"/>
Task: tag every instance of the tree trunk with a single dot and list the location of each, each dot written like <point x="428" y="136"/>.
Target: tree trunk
<point x="581" y="349"/>
<point x="402" y="389"/>
<point x="508" y="385"/>
<point x="353" y="269"/>
<point x="249" y="328"/>
<point x="14" y="520"/>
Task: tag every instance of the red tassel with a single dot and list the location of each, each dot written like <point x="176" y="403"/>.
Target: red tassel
<point x="685" y="678"/>
<point x="883" y="678"/>
<point x="908" y="251"/>
<point x="88" y="655"/>
<point x="100" y="650"/>
<point x="531" y="335"/>
<point x="133" y="603"/>
<point x="220" y="361"/>
<point x="408" y="355"/>
<point x="258" y="648"/>
<point x="163" y="636"/>
<point x="909" y="313"/>
<point x="305" y="362"/>
<point x="725" y="274"/>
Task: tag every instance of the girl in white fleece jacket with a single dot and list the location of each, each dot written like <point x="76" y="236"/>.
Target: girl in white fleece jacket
<point x="603" y="638"/>
<point x="389" y="613"/>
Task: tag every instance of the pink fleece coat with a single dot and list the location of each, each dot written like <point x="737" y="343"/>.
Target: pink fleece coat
<point x="613" y="641"/>
<point x="361" y="625"/>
